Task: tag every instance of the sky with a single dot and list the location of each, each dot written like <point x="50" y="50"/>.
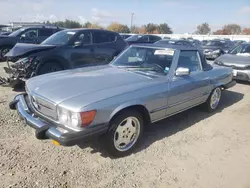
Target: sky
<point x="183" y="16"/>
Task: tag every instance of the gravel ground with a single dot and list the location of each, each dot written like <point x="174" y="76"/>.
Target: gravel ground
<point x="193" y="149"/>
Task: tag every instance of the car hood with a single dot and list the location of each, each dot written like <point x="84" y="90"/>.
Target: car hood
<point x="91" y="83"/>
<point x="21" y="49"/>
<point x="231" y="59"/>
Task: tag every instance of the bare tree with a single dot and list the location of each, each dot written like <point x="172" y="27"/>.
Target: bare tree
<point x="232" y="29"/>
<point x="203" y="29"/>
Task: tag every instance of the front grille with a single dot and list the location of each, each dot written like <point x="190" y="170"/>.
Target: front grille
<point x="44" y="107"/>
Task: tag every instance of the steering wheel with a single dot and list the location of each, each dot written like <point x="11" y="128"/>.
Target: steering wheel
<point x="158" y="66"/>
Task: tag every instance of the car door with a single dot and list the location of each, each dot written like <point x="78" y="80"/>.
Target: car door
<point x="29" y="36"/>
<point x="190" y="90"/>
<point x="81" y="49"/>
<point x="104" y="46"/>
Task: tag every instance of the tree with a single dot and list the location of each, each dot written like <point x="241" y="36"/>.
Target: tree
<point x="246" y="31"/>
<point x="232" y="29"/>
<point x="95" y="26"/>
<point x="117" y="27"/>
<point x="68" y="24"/>
<point x="203" y="29"/>
<point x="87" y="25"/>
<point x="219" y="32"/>
<point x="164" y="29"/>
<point x="151" y="28"/>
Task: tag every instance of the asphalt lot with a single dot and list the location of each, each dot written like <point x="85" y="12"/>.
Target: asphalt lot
<point x="192" y="149"/>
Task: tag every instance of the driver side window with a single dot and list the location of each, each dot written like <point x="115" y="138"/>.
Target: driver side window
<point x="144" y="39"/>
<point x="31" y="33"/>
<point x="83" y="38"/>
<point x="190" y="60"/>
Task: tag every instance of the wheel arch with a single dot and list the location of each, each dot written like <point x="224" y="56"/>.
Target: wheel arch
<point x="142" y="109"/>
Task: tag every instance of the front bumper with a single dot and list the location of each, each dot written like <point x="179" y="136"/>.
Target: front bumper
<point x="211" y="55"/>
<point x="47" y="130"/>
<point x="243" y="75"/>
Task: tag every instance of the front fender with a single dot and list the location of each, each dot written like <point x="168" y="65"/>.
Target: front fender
<point x="127" y="105"/>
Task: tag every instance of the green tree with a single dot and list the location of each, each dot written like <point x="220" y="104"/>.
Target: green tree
<point x="117" y="27"/>
<point x="164" y="29"/>
<point x="151" y="28"/>
<point x="68" y="24"/>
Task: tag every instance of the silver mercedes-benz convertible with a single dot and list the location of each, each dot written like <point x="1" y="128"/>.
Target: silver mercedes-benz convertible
<point x="144" y="84"/>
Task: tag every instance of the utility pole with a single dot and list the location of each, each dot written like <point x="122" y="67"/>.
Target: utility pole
<point x="131" y="24"/>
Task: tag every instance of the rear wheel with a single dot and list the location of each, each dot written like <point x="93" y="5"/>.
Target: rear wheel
<point x="49" y="67"/>
<point x="213" y="100"/>
<point x="124" y="134"/>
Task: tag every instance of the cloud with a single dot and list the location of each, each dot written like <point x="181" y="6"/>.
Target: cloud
<point x="100" y="15"/>
<point x="245" y="10"/>
<point x="82" y="19"/>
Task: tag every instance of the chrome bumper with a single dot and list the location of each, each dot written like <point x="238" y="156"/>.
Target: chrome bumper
<point x="46" y="130"/>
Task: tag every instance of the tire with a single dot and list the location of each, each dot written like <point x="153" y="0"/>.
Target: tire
<point x="121" y="131"/>
<point x="4" y="50"/>
<point x="213" y="100"/>
<point x="49" y="68"/>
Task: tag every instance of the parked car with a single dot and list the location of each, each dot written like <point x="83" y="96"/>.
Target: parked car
<point x="239" y="59"/>
<point x="125" y="36"/>
<point x="204" y="42"/>
<point x="6" y="33"/>
<point x="67" y="49"/>
<point x="144" y="84"/>
<point x="238" y="42"/>
<point x="175" y="42"/>
<point x="215" y="48"/>
<point x="135" y="39"/>
<point x="33" y="35"/>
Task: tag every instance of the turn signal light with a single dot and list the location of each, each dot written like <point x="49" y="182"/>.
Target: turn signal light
<point x="87" y="117"/>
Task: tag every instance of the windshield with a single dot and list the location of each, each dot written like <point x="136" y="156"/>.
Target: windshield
<point x="239" y="49"/>
<point x="133" y="38"/>
<point x="59" y="38"/>
<point x="17" y="32"/>
<point x="163" y="42"/>
<point x="215" y="43"/>
<point x="145" y="59"/>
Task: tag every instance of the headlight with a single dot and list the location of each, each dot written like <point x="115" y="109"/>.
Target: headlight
<point x="75" y="119"/>
<point x="216" y="51"/>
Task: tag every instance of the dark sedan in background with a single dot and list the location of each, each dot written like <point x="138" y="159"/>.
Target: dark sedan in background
<point x="239" y="59"/>
<point x="215" y="48"/>
<point x="140" y="39"/>
<point x="34" y="35"/>
<point x="66" y="49"/>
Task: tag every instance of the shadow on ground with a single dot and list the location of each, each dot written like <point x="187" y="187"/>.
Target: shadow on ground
<point x="174" y="124"/>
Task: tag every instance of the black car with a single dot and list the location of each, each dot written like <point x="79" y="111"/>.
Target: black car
<point x="135" y="39"/>
<point x="66" y="49"/>
<point x="175" y="42"/>
<point x="33" y="35"/>
<point x="215" y="48"/>
<point x="6" y="33"/>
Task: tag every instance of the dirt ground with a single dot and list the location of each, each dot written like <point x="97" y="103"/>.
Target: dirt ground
<point x="193" y="149"/>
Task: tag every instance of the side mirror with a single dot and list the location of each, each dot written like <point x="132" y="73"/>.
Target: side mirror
<point x="77" y="43"/>
<point x="181" y="71"/>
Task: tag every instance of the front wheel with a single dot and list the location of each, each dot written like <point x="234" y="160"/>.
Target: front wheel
<point x="3" y="52"/>
<point x="213" y="100"/>
<point x="124" y="134"/>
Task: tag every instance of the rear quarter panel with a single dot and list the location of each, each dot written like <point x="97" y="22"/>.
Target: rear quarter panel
<point x="221" y="76"/>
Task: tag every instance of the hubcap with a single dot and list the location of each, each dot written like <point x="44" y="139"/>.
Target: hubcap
<point x="215" y="98"/>
<point x="127" y="133"/>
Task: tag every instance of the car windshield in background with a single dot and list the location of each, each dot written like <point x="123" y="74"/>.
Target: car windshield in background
<point x="17" y="32"/>
<point x="145" y="59"/>
<point x="243" y="48"/>
<point x="133" y="38"/>
<point x="59" y="38"/>
<point x="215" y="43"/>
